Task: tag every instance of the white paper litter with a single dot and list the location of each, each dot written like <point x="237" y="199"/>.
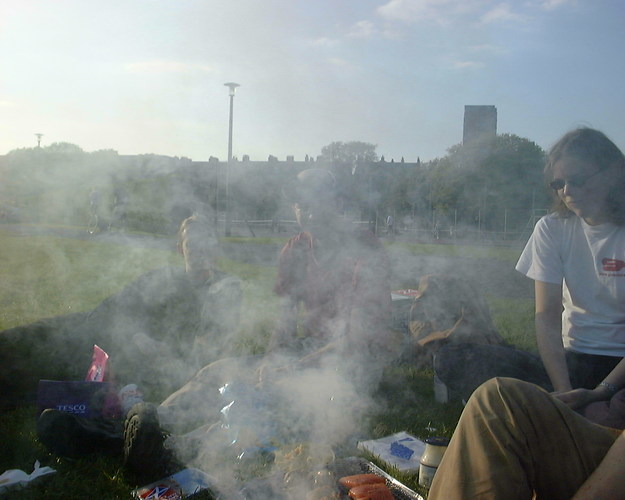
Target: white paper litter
<point x="16" y="478"/>
<point x="381" y="448"/>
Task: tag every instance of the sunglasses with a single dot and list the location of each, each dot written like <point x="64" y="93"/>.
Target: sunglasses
<point x="577" y="181"/>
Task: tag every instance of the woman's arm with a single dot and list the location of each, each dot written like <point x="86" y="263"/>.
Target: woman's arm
<point x="578" y="398"/>
<point x="549" y="333"/>
<point x="608" y="480"/>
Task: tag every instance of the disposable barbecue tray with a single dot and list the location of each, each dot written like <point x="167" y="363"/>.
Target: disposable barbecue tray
<point x="265" y="488"/>
<point x="356" y="465"/>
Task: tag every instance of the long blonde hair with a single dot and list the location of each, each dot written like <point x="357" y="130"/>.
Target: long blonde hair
<point x="591" y="146"/>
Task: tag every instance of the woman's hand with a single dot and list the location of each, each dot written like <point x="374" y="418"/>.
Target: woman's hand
<point x="578" y="398"/>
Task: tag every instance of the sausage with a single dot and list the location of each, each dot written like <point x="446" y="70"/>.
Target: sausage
<point x="375" y="491"/>
<point x="358" y="479"/>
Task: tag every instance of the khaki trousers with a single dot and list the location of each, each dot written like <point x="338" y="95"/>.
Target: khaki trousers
<point x="515" y="441"/>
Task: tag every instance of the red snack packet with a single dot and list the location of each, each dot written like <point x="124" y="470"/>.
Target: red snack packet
<point x="98" y="365"/>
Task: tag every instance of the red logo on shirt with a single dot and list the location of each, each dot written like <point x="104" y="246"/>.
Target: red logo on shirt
<point x="613" y="265"/>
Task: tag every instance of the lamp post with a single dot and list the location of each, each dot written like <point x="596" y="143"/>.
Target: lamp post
<point x="232" y="86"/>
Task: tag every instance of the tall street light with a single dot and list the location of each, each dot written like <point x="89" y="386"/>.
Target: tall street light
<point x="232" y="86"/>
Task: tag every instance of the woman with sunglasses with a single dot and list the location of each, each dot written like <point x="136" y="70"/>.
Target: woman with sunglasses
<point x="576" y="257"/>
<point x="515" y="440"/>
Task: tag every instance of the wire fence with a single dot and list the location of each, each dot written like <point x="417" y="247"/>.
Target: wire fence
<point x="408" y="229"/>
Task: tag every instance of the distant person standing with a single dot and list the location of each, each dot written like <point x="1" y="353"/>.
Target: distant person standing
<point x="94" y="208"/>
<point x="390" y="225"/>
<point x="119" y="214"/>
<point x="94" y="200"/>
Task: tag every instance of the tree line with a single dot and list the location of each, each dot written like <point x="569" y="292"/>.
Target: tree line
<point x="478" y="183"/>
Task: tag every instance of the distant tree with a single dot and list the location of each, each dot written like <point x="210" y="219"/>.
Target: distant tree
<point x="349" y="152"/>
<point x="64" y="148"/>
<point x="445" y="185"/>
<point x="52" y="183"/>
<point x="490" y="177"/>
<point x="399" y="193"/>
<point x="256" y="191"/>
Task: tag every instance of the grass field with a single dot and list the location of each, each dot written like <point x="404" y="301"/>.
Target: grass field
<point x="40" y="277"/>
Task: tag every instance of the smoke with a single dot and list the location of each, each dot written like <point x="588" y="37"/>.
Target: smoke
<point x="317" y="409"/>
<point x="298" y="416"/>
<point x="241" y="408"/>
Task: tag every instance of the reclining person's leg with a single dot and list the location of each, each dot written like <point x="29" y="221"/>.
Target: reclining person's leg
<point x="199" y="401"/>
<point x="514" y="439"/>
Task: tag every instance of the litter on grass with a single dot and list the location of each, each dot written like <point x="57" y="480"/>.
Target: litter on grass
<point x="16" y="478"/>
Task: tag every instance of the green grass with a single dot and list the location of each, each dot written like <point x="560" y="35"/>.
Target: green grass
<point x="260" y="307"/>
<point x="514" y="319"/>
<point x="263" y="240"/>
<point x="39" y="279"/>
<point x="40" y="274"/>
<point x="502" y="253"/>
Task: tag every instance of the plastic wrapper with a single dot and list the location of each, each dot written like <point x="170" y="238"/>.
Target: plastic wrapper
<point x="97" y="369"/>
<point x="16" y="478"/>
<point x="183" y="484"/>
<point x="248" y="417"/>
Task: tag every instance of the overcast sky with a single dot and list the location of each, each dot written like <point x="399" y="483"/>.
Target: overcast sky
<point x="147" y="76"/>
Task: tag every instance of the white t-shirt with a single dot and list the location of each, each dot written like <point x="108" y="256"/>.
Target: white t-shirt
<point x="590" y="263"/>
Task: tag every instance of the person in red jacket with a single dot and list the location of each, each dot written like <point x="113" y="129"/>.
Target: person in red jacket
<point x="339" y="274"/>
<point x="331" y="343"/>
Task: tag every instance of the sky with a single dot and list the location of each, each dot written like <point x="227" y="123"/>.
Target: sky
<point x="147" y="76"/>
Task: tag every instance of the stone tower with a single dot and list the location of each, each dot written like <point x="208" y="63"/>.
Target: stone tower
<point x="479" y="122"/>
